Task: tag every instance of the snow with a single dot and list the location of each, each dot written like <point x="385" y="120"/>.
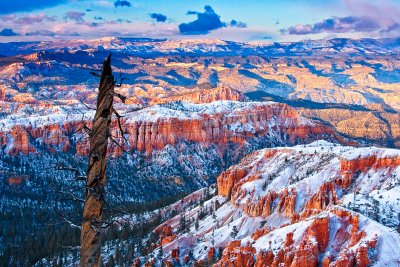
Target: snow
<point x="371" y="151"/>
<point x="388" y="241"/>
<point x="50" y="117"/>
<point x="186" y="111"/>
<point x="176" y="110"/>
<point x="304" y="168"/>
<point x="278" y="236"/>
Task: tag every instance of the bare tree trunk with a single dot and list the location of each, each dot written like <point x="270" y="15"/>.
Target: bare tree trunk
<point x="96" y="173"/>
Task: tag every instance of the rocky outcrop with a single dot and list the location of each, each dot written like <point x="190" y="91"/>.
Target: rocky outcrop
<point x="236" y="255"/>
<point x="21" y="141"/>
<point x="287" y="202"/>
<point x="263" y="207"/>
<point x="325" y="196"/>
<point x="175" y="254"/>
<point x="362" y="257"/>
<point x="221" y="128"/>
<point x="211" y="254"/>
<point x="286" y="206"/>
<point x="228" y="179"/>
<point x="230" y="183"/>
<point x="137" y="262"/>
<point x="319" y="231"/>
<point x="166" y="235"/>
<point x="216" y="123"/>
<point x="54" y="137"/>
<point x="349" y="168"/>
<point x="24" y="98"/>
<point x="200" y="96"/>
<point x="363" y="163"/>
<point x="264" y="258"/>
<point x="304" y="252"/>
<point x="2" y="94"/>
<point x="232" y="179"/>
<point x="260" y="232"/>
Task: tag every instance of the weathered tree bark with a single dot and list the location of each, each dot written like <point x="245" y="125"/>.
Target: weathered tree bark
<point x="96" y="173"/>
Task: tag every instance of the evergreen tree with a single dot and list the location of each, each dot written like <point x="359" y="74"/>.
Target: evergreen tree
<point x="234" y="231"/>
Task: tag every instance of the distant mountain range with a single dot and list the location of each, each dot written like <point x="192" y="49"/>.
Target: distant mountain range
<point x="156" y="47"/>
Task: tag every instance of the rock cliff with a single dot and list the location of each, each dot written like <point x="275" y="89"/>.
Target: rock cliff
<point x="307" y="205"/>
<point x="154" y="128"/>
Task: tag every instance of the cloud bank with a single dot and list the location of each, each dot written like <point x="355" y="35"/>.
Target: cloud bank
<point x="340" y="25"/>
<point x="75" y="16"/>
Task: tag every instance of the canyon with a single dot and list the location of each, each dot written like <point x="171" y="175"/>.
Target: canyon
<point x="155" y="127"/>
<point x="351" y="84"/>
<point x="278" y="154"/>
<point x="293" y="207"/>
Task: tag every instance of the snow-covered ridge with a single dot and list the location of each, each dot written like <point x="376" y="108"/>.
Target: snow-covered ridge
<point x="205" y="46"/>
<point x="344" y="152"/>
<point x="50" y="116"/>
<point x="156" y="127"/>
<point x="184" y="110"/>
<point x="305" y="168"/>
<point x="178" y="110"/>
<point x="292" y="204"/>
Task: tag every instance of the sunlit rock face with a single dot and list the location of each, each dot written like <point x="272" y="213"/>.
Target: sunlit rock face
<point x="377" y="125"/>
<point x="219" y="123"/>
<point x="201" y="96"/>
<point x="154" y="128"/>
<point x="320" y="204"/>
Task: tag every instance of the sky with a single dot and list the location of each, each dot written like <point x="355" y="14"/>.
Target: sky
<point x="246" y="20"/>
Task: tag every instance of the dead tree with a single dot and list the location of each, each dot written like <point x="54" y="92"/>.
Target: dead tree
<point x="96" y="173"/>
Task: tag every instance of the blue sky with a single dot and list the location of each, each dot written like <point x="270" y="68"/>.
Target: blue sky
<point x="246" y="20"/>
